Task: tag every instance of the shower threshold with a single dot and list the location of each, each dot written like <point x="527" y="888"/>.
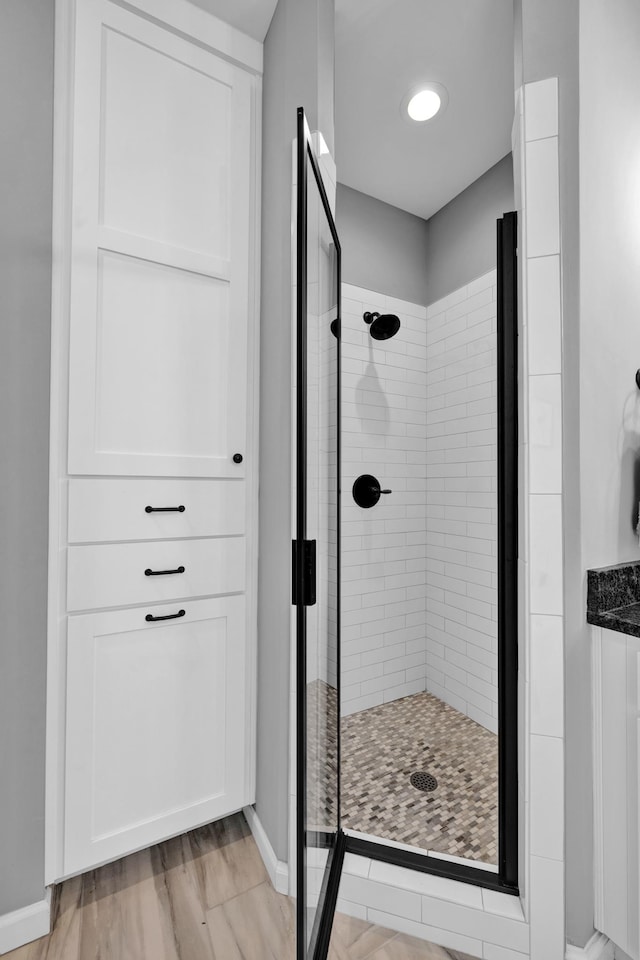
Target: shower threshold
<point x="357" y="835"/>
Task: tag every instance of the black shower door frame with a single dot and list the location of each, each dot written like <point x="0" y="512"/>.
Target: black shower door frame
<point x="304" y="574"/>
<point x="505" y="879"/>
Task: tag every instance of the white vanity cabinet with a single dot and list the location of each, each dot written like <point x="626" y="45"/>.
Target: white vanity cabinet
<point x="617" y="787"/>
<point x="154" y="387"/>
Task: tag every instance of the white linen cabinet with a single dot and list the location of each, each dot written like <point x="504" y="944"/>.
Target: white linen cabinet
<point x="153" y="547"/>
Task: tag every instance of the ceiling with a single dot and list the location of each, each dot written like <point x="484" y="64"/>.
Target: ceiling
<point x="251" y="16"/>
<point x="384" y="48"/>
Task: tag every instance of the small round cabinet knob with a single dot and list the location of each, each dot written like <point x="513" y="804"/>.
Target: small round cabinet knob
<point x="237" y="458"/>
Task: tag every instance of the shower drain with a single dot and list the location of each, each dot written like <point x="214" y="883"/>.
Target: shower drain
<point x="423" y="781"/>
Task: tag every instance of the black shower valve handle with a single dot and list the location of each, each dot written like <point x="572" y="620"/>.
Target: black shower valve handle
<point x="367" y="491"/>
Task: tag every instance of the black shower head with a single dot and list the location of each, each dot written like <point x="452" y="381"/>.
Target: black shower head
<point x="383" y="326"/>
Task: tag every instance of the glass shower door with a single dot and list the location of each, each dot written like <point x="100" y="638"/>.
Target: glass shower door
<point x="316" y="558"/>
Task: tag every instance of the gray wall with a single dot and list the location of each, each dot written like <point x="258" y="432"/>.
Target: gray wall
<point x="462" y="235"/>
<point x="397" y="253"/>
<point x="383" y="248"/>
<point x="26" y="117"/>
<point x="547" y="45"/>
<point x="298" y="71"/>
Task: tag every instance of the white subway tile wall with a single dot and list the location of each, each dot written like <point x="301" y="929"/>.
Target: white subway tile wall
<point x="419" y="568"/>
<point x="541" y="501"/>
<point x="321" y="446"/>
<point x="384" y="420"/>
<point x="461" y="488"/>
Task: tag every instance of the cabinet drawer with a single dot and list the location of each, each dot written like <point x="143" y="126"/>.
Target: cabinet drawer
<point x="156" y="726"/>
<point x="103" y="510"/>
<point x="113" y="574"/>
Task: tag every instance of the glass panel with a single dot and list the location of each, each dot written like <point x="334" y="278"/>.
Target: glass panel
<point x="322" y="814"/>
<point x="425" y="564"/>
<point x="320" y="841"/>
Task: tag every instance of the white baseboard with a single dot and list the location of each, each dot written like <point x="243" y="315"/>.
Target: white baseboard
<point x="24" y="925"/>
<point x="599" y="947"/>
<point x="278" y="870"/>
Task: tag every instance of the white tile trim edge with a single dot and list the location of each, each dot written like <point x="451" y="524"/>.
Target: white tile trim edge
<point x="24" y="925"/>
<point x="599" y="947"/>
<point x="278" y="870"/>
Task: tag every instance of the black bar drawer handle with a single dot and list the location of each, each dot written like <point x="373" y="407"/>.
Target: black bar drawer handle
<point x="180" y="509"/>
<point x="162" y="573"/>
<point x="171" y="616"/>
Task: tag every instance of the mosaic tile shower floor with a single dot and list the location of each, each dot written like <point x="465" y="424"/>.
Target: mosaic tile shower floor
<point x="381" y="748"/>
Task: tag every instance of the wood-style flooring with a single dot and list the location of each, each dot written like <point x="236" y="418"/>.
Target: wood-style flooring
<point x="201" y="896"/>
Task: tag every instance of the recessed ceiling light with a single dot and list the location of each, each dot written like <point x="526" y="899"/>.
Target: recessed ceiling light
<point x="424" y="105"/>
<point x="424" y="101"/>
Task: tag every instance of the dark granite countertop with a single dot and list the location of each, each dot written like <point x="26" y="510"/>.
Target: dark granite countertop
<point x="613" y="598"/>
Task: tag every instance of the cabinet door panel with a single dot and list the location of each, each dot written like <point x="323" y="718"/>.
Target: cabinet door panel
<point x="614" y="784"/>
<point x="163" y="373"/>
<point x="160" y="252"/>
<point x="155" y="727"/>
<point x="183" y="200"/>
<point x="630" y="829"/>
